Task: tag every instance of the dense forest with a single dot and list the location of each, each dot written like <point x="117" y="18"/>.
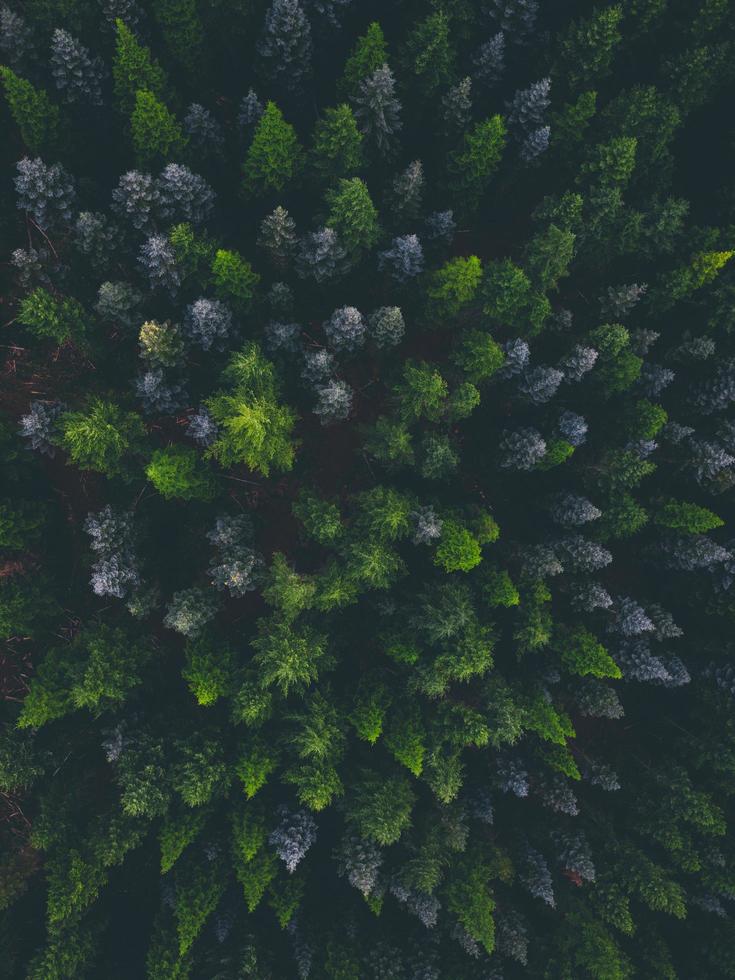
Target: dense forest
<point x="367" y="440"/>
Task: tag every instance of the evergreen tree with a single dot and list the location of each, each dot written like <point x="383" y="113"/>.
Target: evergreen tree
<point x="429" y="55"/>
<point x="369" y="54"/>
<point x="77" y="75"/>
<point x="353" y="215"/>
<point x="35" y="115"/>
<point x="474" y="163"/>
<point x="278" y="235"/>
<point x="155" y="132"/>
<point x="136" y="198"/>
<point x="490" y="60"/>
<point x="275" y="155"/>
<point x="285" y="44"/>
<point x="134" y="69"/>
<point x="337" y="146"/>
<point x="404" y="259"/>
<point x="182" y="30"/>
<point x="47" y="193"/>
<point x="321" y="256"/>
<point x="203" y="130"/>
<point x="456" y="107"/>
<point x="102" y="437"/>
<point x="588" y="46"/>
<point x="378" y="111"/>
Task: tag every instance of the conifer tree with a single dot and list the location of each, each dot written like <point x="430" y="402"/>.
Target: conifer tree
<point x="337" y="147"/>
<point x="155" y="132"/>
<point x="285" y="44"/>
<point x="77" y="75"/>
<point x="35" y="115"/>
<point x="474" y="163"/>
<point x="182" y="30"/>
<point x="378" y="111"/>
<point x="352" y="215"/>
<point x="275" y="156"/>
<point x="369" y="54"/>
<point x="134" y="69"/>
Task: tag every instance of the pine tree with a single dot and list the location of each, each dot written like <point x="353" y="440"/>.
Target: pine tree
<point x="133" y="69"/>
<point x="321" y="256"/>
<point x="250" y="110"/>
<point x="275" y="156"/>
<point x="378" y="111"/>
<point x="285" y="44"/>
<point x="189" y="612"/>
<point x="429" y="55"/>
<point x="255" y="428"/>
<point x="203" y="130"/>
<point x="345" y="329"/>
<point x="77" y="75"/>
<point x="183" y="195"/>
<point x="517" y="17"/>
<point x="39" y="426"/>
<point x="456" y="108"/>
<point x="158" y="260"/>
<point x="353" y="215"/>
<point x="47" y="193"/>
<point x="407" y="191"/>
<point x="101" y="437"/>
<point x="489" y="60"/>
<point x="234" y="279"/>
<point x="293" y="836"/>
<point x="404" y="259"/>
<point x="527" y="109"/>
<point x="155" y="132"/>
<point x="453" y="286"/>
<point x="136" y="198"/>
<point x="337" y="143"/>
<point x="115" y="572"/>
<point x="369" y="54"/>
<point x="60" y="319"/>
<point x="95" y="237"/>
<point x="588" y="46"/>
<point x="386" y="326"/>
<point x="477" y="159"/>
<point x="522" y="449"/>
<point x="207" y="323"/>
<point x="334" y="401"/>
<point x="182" y="30"/>
<point x="16" y="37"/>
<point x="35" y="115"/>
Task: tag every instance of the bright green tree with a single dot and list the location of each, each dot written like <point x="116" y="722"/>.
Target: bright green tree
<point x="134" y="69"/>
<point x="61" y="319"/>
<point x="690" y="518"/>
<point x="453" y="286"/>
<point x="458" y="550"/>
<point x="156" y="134"/>
<point x="178" y="471"/>
<point x="234" y="279"/>
<point x="102" y="437"/>
<point x="255" y="428"/>
<point x="478" y="355"/>
<point x="35" y="115"/>
<point x="275" y="157"/>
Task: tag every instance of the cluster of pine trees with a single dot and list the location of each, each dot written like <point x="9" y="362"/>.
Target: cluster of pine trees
<point x="367" y="455"/>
